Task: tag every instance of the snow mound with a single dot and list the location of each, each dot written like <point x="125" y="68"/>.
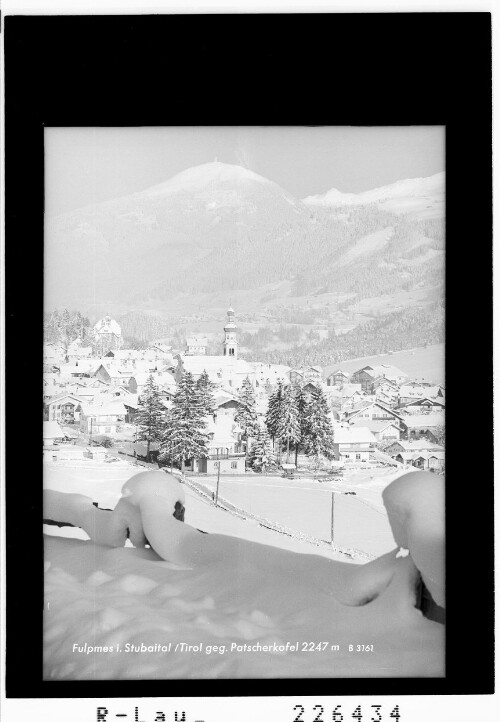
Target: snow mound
<point x="157" y="484"/>
<point x="248" y="598"/>
<point x="415" y="505"/>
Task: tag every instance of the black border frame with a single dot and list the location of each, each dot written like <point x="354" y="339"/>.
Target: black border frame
<point x="259" y="69"/>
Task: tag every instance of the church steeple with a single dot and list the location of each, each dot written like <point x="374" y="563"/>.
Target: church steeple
<point x="230" y="343"/>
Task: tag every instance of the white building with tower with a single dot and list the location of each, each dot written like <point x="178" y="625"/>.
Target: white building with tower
<point x="227" y="370"/>
<point x="230" y="343"/>
<point x="107" y="335"/>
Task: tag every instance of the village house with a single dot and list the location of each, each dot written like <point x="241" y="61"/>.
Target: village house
<point x="83" y="368"/>
<point x="373" y="410"/>
<point x="383" y="431"/>
<point x="423" y="404"/>
<point x="415" y="426"/>
<point x="225" y="451"/>
<point x="101" y="419"/>
<point x="307" y="374"/>
<point x="196" y="346"/>
<point x="411" y="447"/>
<point x="65" y="409"/>
<point x="352" y="445"/>
<point x="338" y="378"/>
<point x="367" y="375"/>
<point x="424" y="460"/>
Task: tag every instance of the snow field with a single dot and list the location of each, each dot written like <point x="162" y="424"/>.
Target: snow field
<point x="109" y="597"/>
<point x="225" y="591"/>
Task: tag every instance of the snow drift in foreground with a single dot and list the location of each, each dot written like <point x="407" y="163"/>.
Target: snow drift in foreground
<point x="241" y="596"/>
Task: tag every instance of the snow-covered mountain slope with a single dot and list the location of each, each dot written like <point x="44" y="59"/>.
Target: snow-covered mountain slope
<point x="419" y="197"/>
<point x="216" y="228"/>
<point x="201" y="176"/>
<point x="367" y="246"/>
<point x="248" y="600"/>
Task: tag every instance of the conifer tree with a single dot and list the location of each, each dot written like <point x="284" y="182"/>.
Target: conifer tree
<point x="288" y="428"/>
<point x="246" y="415"/>
<point x="151" y="414"/>
<point x="262" y="456"/>
<point x="275" y="412"/>
<point x="206" y="388"/>
<point x="184" y="437"/>
<point x="302" y="403"/>
<point x="319" y="438"/>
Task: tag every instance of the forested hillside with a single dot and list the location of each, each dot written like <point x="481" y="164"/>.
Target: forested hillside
<point x="393" y="332"/>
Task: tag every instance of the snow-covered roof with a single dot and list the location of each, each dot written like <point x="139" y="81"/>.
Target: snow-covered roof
<point x="375" y="426"/>
<point x="353" y="435"/>
<point x="196" y="341"/>
<point x="108" y="409"/>
<point x="228" y="364"/>
<point x="339" y="371"/>
<point x="386" y="370"/>
<point x="418" y="445"/>
<point x="60" y="397"/>
<point x="417" y="420"/>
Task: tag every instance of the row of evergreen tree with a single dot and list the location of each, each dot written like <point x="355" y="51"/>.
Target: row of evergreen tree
<point x="295" y="420"/>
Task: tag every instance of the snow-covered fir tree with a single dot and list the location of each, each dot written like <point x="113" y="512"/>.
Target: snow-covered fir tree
<point x="246" y="415"/>
<point x="206" y="390"/>
<point x="151" y="413"/>
<point x="274" y="412"/>
<point x="302" y="399"/>
<point x="318" y="441"/>
<point x="184" y="437"/>
<point x="262" y="457"/>
<point x="288" y="428"/>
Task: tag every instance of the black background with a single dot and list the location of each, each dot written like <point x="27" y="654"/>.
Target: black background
<point x="350" y="69"/>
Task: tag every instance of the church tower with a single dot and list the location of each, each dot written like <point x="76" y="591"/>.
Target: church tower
<point x="230" y="343"/>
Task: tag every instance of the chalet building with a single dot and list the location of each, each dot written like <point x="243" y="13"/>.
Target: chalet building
<point x="353" y="445"/>
<point x="412" y="447"/>
<point x="367" y="375"/>
<point x="372" y="410"/>
<point x="76" y="353"/>
<point x="83" y="368"/>
<point x="225" y="450"/>
<point x="101" y="419"/>
<point x="424" y="460"/>
<point x="387" y="385"/>
<point x="196" y="346"/>
<point x="65" y="409"/>
<point x="382" y="430"/>
<point x="423" y="404"/>
<point x="416" y="426"/>
<point x="308" y="374"/>
<point x="225" y="404"/>
<point x="338" y="378"/>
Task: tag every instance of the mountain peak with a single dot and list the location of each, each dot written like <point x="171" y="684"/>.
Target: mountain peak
<point x="204" y="175"/>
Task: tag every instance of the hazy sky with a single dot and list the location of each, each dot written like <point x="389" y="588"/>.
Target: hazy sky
<point x="88" y="165"/>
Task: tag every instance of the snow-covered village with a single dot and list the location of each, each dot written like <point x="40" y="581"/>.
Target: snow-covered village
<point x="212" y="511"/>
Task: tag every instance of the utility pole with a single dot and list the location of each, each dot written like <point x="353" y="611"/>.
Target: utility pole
<point x="90" y="439"/>
<point x="218" y="479"/>
<point x="333" y="507"/>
